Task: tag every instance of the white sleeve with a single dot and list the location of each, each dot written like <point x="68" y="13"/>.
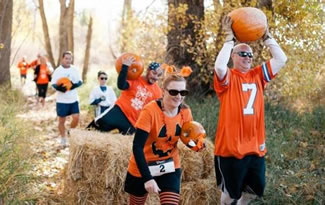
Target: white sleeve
<point x="112" y="96"/>
<point x="76" y="77"/>
<point x="222" y="60"/>
<point x="279" y="58"/>
<point x="55" y="76"/>
<point x="50" y="67"/>
<point x="92" y="95"/>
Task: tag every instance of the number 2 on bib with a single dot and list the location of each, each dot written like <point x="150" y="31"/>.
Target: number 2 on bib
<point x="162" y="168"/>
<point x="249" y="110"/>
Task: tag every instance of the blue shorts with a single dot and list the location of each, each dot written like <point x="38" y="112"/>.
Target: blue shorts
<point x="235" y="176"/>
<point x="170" y="182"/>
<point x="66" y="109"/>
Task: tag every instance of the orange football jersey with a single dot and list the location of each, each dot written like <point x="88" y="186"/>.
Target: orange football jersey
<point x="163" y="136"/>
<point x="241" y="129"/>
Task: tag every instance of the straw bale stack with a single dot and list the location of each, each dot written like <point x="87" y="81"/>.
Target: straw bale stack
<point x="203" y="191"/>
<point x="98" y="164"/>
<point x="197" y="165"/>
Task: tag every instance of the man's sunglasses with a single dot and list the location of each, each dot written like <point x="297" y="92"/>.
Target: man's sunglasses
<point x="102" y="78"/>
<point x="175" y="92"/>
<point x="245" y="54"/>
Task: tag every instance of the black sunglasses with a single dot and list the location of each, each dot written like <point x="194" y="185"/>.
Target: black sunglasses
<point x="102" y="78"/>
<point x="175" y="92"/>
<point x="245" y="54"/>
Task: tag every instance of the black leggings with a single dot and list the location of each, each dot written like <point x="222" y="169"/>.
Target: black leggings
<point x="113" y="119"/>
<point x="42" y="90"/>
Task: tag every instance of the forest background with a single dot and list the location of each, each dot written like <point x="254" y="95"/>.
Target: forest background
<point x="179" y="32"/>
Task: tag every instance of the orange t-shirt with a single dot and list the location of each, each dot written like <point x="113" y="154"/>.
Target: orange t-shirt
<point x="157" y="147"/>
<point x="43" y="75"/>
<point x="23" y="66"/>
<point x="241" y="129"/>
<point x="139" y="93"/>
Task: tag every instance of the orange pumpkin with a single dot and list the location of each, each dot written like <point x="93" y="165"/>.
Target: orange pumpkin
<point x="193" y="135"/>
<point x="249" y="24"/>
<point x="65" y="82"/>
<point x="135" y="69"/>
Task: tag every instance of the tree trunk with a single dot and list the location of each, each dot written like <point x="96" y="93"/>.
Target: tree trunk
<point x="66" y="27"/>
<point x="6" y="8"/>
<point x="126" y="18"/>
<point x="70" y="25"/>
<point x="47" y="40"/>
<point x="185" y="45"/>
<point x="87" y="51"/>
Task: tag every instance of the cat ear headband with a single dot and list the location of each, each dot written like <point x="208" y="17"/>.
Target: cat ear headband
<point x="171" y="69"/>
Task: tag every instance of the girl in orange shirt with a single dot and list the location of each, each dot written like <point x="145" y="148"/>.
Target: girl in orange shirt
<point x="154" y="166"/>
<point x="42" y="77"/>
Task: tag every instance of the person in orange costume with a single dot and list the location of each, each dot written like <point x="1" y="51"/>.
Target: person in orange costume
<point x="135" y="95"/>
<point x="42" y="77"/>
<point x="240" y="138"/>
<point x="23" y="67"/>
<point x="154" y="166"/>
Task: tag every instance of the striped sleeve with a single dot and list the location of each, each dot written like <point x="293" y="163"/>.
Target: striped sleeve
<point x="267" y="72"/>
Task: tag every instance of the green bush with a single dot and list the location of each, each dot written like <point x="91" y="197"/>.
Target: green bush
<point x="206" y="111"/>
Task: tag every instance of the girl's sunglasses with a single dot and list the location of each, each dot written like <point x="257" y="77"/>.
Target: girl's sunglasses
<point x="173" y="92"/>
<point x="103" y="78"/>
<point x="245" y="54"/>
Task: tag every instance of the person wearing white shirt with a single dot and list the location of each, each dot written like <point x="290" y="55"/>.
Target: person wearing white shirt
<point x="67" y="100"/>
<point x="102" y="96"/>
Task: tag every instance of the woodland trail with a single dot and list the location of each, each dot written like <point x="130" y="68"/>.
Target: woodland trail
<point x="48" y="158"/>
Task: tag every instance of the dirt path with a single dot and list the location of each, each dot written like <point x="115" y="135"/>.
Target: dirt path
<point x="49" y="159"/>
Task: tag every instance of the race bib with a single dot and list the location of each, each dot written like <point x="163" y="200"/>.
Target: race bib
<point x="158" y="168"/>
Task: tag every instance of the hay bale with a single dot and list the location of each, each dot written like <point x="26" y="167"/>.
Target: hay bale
<point x="98" y="163"/>
<point x="203" y="191"/>
<point x="197" y="165"/>
<point x="97" y="167"/>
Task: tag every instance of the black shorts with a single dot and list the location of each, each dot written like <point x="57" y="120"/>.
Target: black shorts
<point x="168" y="182"/>
<point x="42" y="90"/>
<point x="66" y="109"/>
<point x="23" y="76"/>
<point x="240" y="175"/>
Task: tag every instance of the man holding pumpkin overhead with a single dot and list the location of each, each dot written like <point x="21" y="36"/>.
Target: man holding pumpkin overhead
<point x="134" y="96"/>
<point x="240" y="138"/>
<point x="65" y="80"/>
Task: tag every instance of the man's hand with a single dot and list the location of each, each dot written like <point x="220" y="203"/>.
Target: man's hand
<point x="61" y="88"/>
<point x="74" y="85"/>
<point x="267" y="35"/>
<point x="226" y="27"/>
<point x="103" y="98"/>
<point x="128" y="61"/>
<point x="151" y="186"/>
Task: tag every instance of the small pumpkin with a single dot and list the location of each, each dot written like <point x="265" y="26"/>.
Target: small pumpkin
<point x="65" y="82"/>
<point x="193" y="135"/>
<point x="249" y="24"/>
<point x="135" y="69"/>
